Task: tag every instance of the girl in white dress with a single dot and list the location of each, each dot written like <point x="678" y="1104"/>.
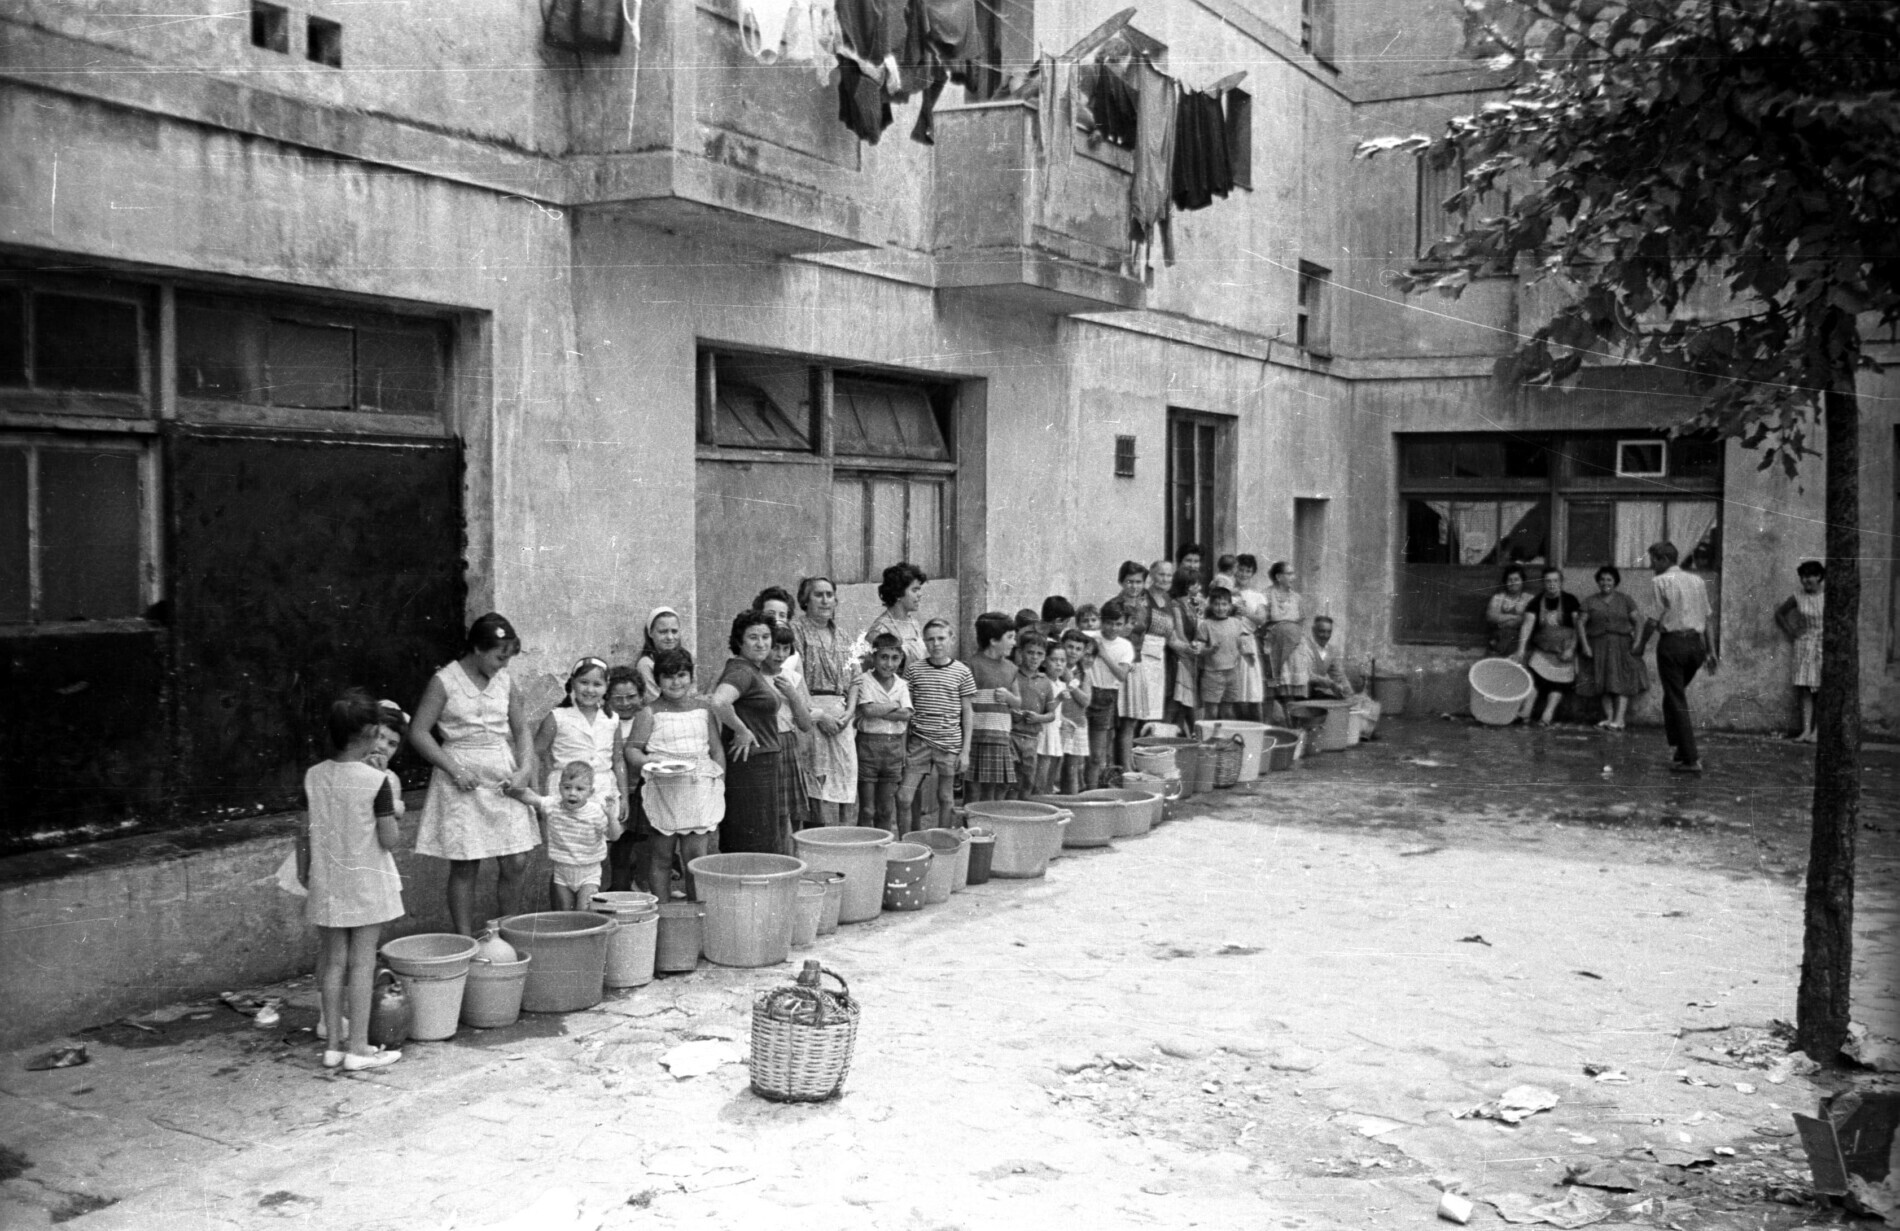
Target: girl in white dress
<point x="486" y="750"/>
<point x="684" y="809"/>
<point x="583" y="728"/>
<point x="344" y="859"/>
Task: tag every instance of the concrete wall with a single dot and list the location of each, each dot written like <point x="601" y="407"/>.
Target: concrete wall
<point x="1770" y="524"/>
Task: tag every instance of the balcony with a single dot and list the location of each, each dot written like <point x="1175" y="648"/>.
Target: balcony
<point x="691" y="134"/>
<point x="1024" y="227"/>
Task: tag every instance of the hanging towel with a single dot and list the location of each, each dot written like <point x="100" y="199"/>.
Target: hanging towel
<point x="762" y="27"/>
<point x="1148" y="192"/>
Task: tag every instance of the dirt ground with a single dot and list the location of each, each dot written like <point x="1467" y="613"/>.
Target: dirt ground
<point x="1269" y="1013"/>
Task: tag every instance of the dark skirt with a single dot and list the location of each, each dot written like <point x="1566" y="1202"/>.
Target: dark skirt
<point x="1614" y="669"/>
<point x="755" y="822"/>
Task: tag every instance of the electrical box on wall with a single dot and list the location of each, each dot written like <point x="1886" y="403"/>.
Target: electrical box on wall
<point x="585" y="25"/>
<point x="1124" y="457"/>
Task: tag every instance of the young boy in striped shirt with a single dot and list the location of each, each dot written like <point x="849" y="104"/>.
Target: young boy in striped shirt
<point x="941" y="692"/>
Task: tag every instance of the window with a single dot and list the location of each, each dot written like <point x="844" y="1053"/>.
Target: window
<point x="296" y="357"/>
<point x="1432" y="222"/>
<point x="755" y="402"/>
<point x="70" y="345"/>
<point x="1124" y="457"/>
<point x="1474" y="503"/>
<point x="270" y="26"/>
<point x="1316" y="29"/>
<point x="72" y="540"/>
<point x="879" y="518"/>
<point x="1641" y="459"/>
<point x="1200" y="480"/>
<point x="879" y="443"/>
<point x="1313" y="328"/>
<point x="323" y="42"/>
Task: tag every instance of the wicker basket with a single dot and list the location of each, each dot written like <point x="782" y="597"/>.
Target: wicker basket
<point x="802" y="1035"/>
<point x="1229" y="753"/>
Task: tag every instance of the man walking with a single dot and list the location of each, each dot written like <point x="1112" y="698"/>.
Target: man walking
<point x="1686" y="644"/>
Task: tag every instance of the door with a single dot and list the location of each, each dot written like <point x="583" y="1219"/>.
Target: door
<point x="1200" y="481"/>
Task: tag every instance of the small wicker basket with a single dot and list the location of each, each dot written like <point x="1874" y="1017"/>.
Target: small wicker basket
<point x="802" y="1036"/>
<point x="1230" y="750"/>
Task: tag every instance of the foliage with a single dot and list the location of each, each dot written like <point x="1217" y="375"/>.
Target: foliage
<point x="1717" y="182"/>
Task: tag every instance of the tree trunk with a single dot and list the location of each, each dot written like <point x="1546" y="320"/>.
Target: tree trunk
<point x="1827" y="952"/>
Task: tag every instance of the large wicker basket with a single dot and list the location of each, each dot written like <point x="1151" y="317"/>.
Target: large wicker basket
<point x="802" y="1035"/>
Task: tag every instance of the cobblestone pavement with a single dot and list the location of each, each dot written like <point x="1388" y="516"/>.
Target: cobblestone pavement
<point x="1268" y="1013"/>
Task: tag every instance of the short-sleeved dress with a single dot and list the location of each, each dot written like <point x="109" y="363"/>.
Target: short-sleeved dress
<point x="1613" y="667"/>
<point x="1251" y="681"/>
<point x="353" y="879"/>
<point x="482" y="823"/>
<point x="690" y="803"/>
<point x="828" y="763"/>
<point x="1807" y="647"/>
<point x="580" y="738"/>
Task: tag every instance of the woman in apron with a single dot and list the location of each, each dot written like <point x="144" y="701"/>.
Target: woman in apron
<point x="1289" y="665"/>
<point x="830" y="760"/>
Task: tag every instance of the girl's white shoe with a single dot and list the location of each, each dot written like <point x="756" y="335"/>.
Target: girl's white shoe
<point x="353" y="1063"/>
<point x="332" y="1058"/>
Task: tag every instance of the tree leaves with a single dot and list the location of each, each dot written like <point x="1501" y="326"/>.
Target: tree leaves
<point x="1681" y="145"/>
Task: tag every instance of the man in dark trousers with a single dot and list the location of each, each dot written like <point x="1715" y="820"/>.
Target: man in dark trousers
<point x="1686" y="645"/>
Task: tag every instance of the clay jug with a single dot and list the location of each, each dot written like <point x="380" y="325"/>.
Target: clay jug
<point x="492" y="948"/>
<point x="389" y="1011"/>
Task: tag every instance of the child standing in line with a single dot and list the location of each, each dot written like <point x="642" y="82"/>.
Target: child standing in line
<point x="992" y="755"/>
<point x="577" y="830"/>
<point x="1058" y="617"/>
<point x="1114" y="659"/>
<point x="1223" y="573"/>
<point x="941" y="724"/>
<point x="1800" y="621"/>
<point x="1035" y="713"/>
<point x="1221" y="636"/>
<point x="794" y="716"/>
<point x="882" y="700"/>
<point x="684" y="810"/>
<point x="1025" y="620"/>
<point x="344" y="859"/>
<point x="626" y="862"/>
<point x="389" y="736"/>
<point x="1078" y="654"/>
<point x="582" y="728"/>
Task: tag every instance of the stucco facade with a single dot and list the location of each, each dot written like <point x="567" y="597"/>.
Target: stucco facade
<point x="589" y="228"/>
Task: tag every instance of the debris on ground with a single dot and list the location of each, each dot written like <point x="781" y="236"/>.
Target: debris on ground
<point x="1474" y="939"/>
<point x="1852" y="1144"/>
<point x="1871" y="1052"/>
<point x="1596" y="1173"/>
<point x="1605" y="1072"/>
<point x="1576" y="1209"/>
<point x="1794" y="1064"/>
<point x="700" y="1057"/>
<point x="1454" y="1208"/>
<point x="59" y="1058"/>
<point x="1513" y="1106"/>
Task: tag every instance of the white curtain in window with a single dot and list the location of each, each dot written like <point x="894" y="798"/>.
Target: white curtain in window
<point x="1690" y="522"/>
<point x="1638" y="524"/>
<point x="1474" y="529"/>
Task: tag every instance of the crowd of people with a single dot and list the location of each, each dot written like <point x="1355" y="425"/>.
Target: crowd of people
<point x="639" y="770"/>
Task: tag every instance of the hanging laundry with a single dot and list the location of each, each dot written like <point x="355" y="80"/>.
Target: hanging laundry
<point x="874" y="29"/>
<point x="1202" y="170"/>
<point x="762" y="27"/>
<point x="1112" y="115"/>
<point x="942" y="43"/>
<point x="1157" y="106"/>
<point x="864" y="105"/>
<point x="811" y="36"/>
